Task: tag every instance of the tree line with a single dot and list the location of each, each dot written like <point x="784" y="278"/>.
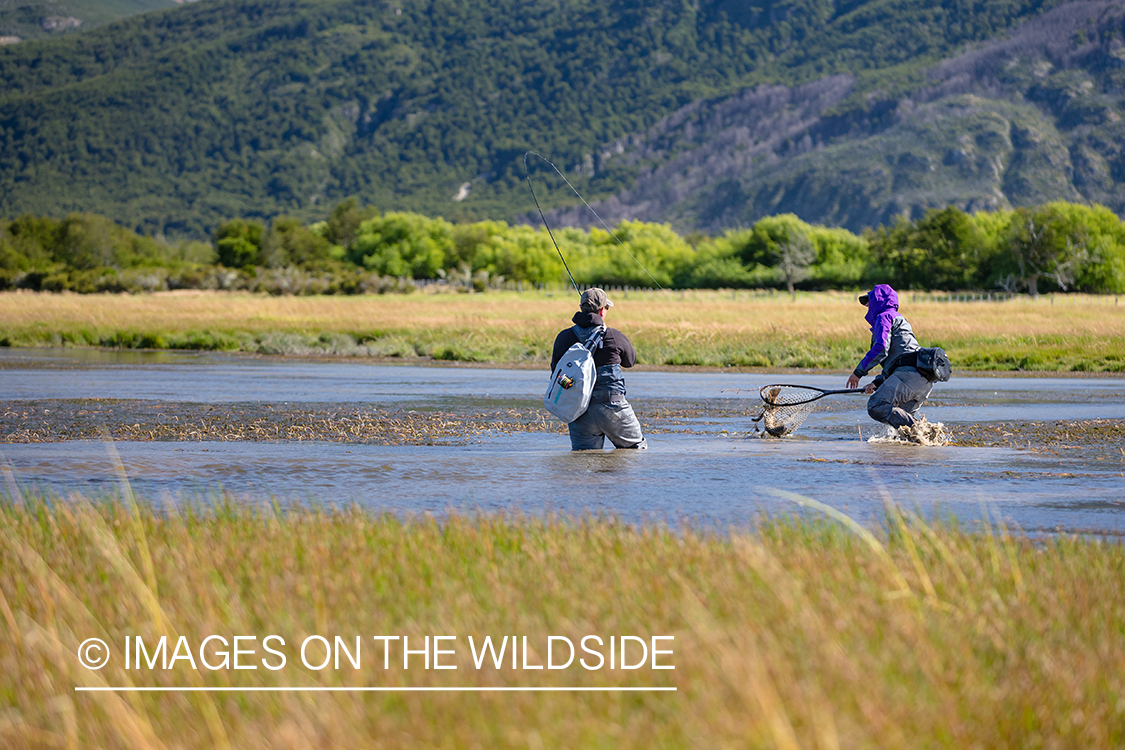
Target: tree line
<point x="359" y="249"/>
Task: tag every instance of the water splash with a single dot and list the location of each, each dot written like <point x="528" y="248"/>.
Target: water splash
<point x="922" y="432"/>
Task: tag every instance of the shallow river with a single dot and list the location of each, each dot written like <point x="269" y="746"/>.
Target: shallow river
<point x="706" y="469"/>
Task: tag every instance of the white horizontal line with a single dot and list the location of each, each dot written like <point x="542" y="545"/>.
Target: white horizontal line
<point x="369" y="689"/>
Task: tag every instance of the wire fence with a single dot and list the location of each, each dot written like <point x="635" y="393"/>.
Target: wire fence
<point x="778" y="295"/>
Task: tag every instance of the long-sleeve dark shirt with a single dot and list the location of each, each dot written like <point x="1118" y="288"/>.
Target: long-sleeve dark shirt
<point x="615" y="349"/>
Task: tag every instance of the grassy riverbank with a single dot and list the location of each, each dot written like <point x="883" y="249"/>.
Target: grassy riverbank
<point x="794" y="635"/>
<point x="713" y="329"/>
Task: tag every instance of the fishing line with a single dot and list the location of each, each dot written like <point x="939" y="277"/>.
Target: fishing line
<point x="527" y="175"/>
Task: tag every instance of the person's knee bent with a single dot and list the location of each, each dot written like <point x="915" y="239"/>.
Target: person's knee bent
<point x="879" y="409"/>
<point x="889" y="414"/>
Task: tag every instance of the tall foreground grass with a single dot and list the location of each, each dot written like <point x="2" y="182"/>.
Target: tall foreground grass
<point x="795" y="634"/>
<point x="824" y="330"/>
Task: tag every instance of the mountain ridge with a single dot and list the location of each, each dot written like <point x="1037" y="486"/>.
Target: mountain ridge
<point x="1010" y="112"/>
<point x="172" y="121"/>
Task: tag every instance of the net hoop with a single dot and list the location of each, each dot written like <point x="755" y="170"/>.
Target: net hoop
<point x="785" y="407"/>
<point x="785" y="394"/>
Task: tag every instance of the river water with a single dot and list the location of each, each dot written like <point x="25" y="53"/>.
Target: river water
<point x="705" y="470"/>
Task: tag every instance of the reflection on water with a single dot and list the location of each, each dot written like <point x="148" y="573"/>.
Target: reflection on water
<point x="218" y="378"/>
<point x="706" y="479"/>
<point x="708" y="472"/>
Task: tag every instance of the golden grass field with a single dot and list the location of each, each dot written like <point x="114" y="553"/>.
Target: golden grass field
<point x="808" y="634"/>
<point x="702" y="328"/>
<point x="793" y="634"/>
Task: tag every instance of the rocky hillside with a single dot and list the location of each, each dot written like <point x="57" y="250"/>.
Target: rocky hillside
<point x="1019" y="121"/>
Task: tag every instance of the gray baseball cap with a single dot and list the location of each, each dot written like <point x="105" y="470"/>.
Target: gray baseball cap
<point x="594" y="299"/>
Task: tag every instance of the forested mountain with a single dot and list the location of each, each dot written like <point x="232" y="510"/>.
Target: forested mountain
<point x="1030" y="118"/>
<point x="839" y="111"/>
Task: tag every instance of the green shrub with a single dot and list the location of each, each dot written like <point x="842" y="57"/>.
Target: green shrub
<point x="238" y="242"/>
<point x="402" y="244"/>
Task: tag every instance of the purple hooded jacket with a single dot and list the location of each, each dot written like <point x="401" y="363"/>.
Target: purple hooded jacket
<point x="891" y="335"/>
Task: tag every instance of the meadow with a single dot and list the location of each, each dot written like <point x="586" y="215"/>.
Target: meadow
<point x="801" y="632"/>
<point x="695" y="327"/>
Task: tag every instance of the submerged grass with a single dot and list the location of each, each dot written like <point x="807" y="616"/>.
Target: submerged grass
<point x="714" y="329"/>
<point x="795" y="634"/>
<point x="92" y="419"/>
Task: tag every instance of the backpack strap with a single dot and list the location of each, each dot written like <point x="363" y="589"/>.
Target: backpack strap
<point x="595" y="339"/>
<point x="907" y="359"/>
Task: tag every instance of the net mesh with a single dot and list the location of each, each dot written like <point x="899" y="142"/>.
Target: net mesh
<point x="781" y="414"/>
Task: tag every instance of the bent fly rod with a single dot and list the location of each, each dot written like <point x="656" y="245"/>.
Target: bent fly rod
<point x="527" y="176"/>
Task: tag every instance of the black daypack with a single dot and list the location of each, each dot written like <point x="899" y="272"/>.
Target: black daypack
<point x="932" y="364"/>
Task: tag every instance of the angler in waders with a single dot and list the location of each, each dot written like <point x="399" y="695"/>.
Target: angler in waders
<point x="897" y="393"/>
<point x="609" y="414"/>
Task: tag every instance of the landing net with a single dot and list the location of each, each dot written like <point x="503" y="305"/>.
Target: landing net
<point x="785" y="408"/>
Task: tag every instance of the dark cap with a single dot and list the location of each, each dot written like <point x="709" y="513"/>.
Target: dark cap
<point x="594" y="299"/>
<point x="863" y="299"/>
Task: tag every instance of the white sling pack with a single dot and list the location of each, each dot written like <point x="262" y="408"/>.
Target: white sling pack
<point x="572" y="381"/>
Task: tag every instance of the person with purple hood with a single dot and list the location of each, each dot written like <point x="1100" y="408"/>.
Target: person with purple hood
<point x="897" y="394"/>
